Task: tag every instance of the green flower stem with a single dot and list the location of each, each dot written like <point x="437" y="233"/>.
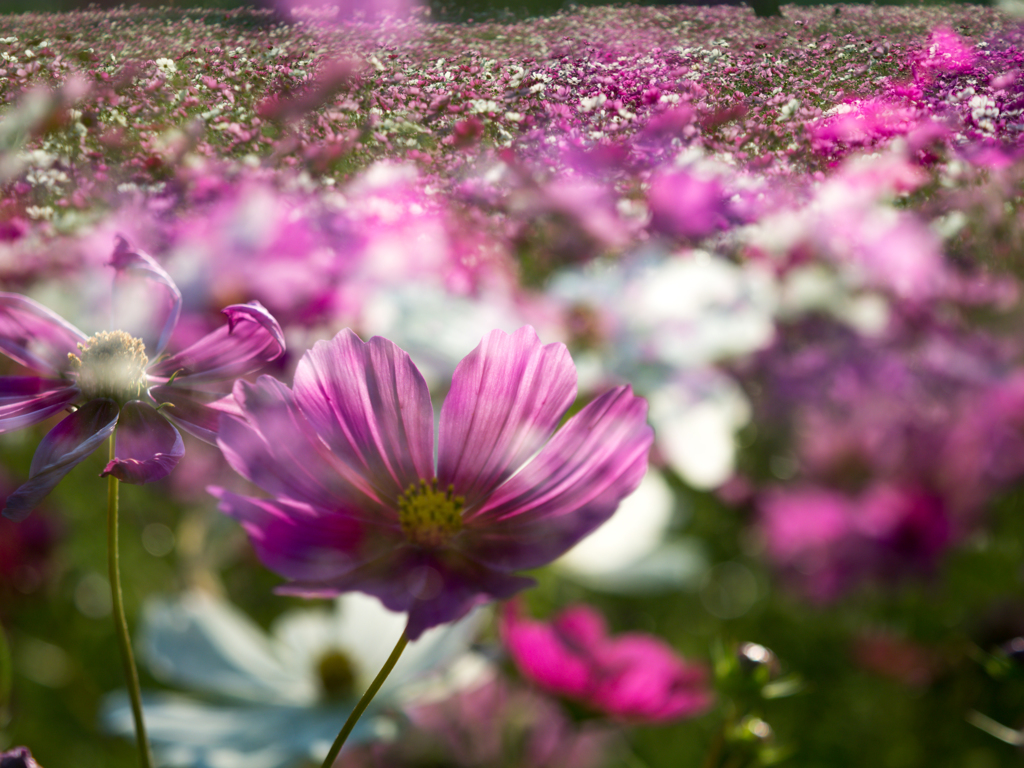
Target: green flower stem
<point x="124" y="642"/>
<point x="364" y="702"/>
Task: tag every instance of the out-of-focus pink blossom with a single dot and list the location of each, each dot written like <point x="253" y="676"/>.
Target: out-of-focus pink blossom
<point x="827" y="541"/>
<point x="633" y="677"/>
<point x="947" y="52"/>
<point x="686" y="205"/>
<point x="348" y="10"/>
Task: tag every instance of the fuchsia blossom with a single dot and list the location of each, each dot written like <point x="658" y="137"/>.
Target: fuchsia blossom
<point x="827" y="541"/>
<point x="360" y="504"/>
<point x="633" y="677"/>
<point x="109" y="382"/>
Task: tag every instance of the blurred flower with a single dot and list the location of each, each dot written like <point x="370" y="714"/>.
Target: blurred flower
<point x="358" y="504"/>
<point x="663" y="322"/>
<point x="25" y="551"/>
<point x="19" y="757"/>
<point x="491" y="725"/>
<point x="632" y="677"/>
<point x="274" y="700"/>
<point x="110" y="382"/>
<point x="828" y="541"/>
<point x="947" y="52"/>
<point x="687" y="206"/>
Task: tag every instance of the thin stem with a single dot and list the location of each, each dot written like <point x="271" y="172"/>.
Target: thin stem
<point x="364" y="702"/>
<point x="120" y="624"/>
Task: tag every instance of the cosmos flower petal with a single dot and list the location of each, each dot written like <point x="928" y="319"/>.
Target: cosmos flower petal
<point x="507" y="397"/>
<point x="274" y="447"/>
<point x="632" y="677"/>
<point x="133" y="263"/>
<point x="569" y="488"/>
<point x="34" y="336"/>
<point x="433" y="588"/>
<point x="27" y="400"/>
<point x="302" y="543"/>
<point x="250" y="340"/>
<point x="198" y="642"/>
<point x="199" y="419"/>
<point x="65" y="446"/>
<point x="146" y="448"/>
<point x="371" y="407"/>
<point x="201" y="735"/>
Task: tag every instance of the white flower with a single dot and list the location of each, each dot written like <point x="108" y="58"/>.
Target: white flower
<point x="272" y="701"/>
<point x="166" y="66"/>
<point x="668" y="321"/>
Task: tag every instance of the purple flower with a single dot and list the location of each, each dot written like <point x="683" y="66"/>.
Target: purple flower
<point x="360" y="504"/>
<point x="108" y="381"/>
<point x="633" y="677"/>
<point x="19" y="757"/>
<point x="827" y="541"/>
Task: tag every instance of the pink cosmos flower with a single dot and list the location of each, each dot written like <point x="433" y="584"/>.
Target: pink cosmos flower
<point x="633" y="677"/>
<point x="359" y="502"/>
<point x="108" y="381"/>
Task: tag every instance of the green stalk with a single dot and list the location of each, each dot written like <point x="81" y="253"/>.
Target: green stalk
<point x="120" y="624"/>
<point x="364" y="702"/>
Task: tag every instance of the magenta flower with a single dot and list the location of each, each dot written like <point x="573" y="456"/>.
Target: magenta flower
<point x="108" y="381"/>
<point x="360" y="504"/>
<point x="634" y="677"/>
<point x="19" y="757"/>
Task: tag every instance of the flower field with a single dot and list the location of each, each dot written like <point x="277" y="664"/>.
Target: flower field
<point x="654" y="376"/>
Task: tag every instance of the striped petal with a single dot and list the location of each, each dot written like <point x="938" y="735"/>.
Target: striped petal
<point x="569" y="488"/>
<point x="371" y="407"/>
<point x="27" y="400"/>
<point x="507" y="397"/>
<point x="67" y="445"/>
<point x="146" y="448"/>
<point x="250" y="340"/>
<point x="34" y="336"/>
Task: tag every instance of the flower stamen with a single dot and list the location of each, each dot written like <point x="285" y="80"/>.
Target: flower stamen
<point x="113" y="365"/>
<point x="337" y="676"/>
<point x="430" y="517"/>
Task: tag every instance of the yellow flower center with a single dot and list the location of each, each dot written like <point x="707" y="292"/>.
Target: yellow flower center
<point x="337" y="678"/>
<point x="113" y="364"/>
<point x="430" y="517"/>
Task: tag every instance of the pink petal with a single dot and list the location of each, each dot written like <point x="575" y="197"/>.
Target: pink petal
<point x="165" y="301"/>
<point x="544" y="656"/>
<point x="507" y="397"/>
<point x="146" y="448"/>
<point x="275" y="448"/>
<point x="633" y="677"/>
<point x="250" y="340"/>
<point x="197" y="418"/>
<point x="303" y="543"/>
<point x="27" y="400"/>
<point x="34" y="336"/>
<point x="66" y="445"/>
<point x="572" y="486"/>
<point x="644" y="680"/>
<point x="371" y="407"/>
